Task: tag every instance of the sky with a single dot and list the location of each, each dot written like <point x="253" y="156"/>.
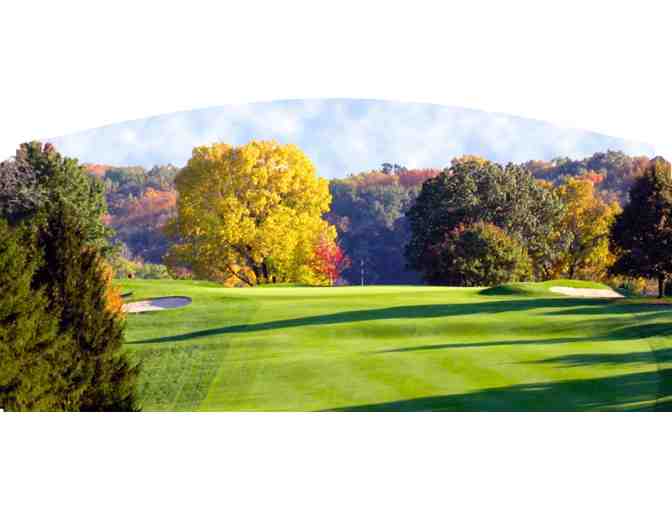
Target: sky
<point x="600" y="66"/>
<point x="341" y="136"/>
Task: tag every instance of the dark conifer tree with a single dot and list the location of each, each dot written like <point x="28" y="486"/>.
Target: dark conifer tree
<point x="30" y="345"/>
<point x="641" y="236"/>
<point x="99" y="375"/>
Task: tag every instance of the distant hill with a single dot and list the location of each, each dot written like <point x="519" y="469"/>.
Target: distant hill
<point x="342" y="136"/>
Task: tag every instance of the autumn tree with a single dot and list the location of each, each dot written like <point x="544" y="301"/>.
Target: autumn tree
<point x="585" y="223"/>
<point x="138" y="223"/>
<point x="139" y="203"/>
<point x="641" y="235"/>
<point x="415" y="177"/>
<point x="472" y="159"/>
<point x="613" y="172"/>
<point x="330" y="260"/>
<point x="252" y="211"/>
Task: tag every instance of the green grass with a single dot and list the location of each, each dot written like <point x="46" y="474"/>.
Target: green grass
<point x="515" y="347"/>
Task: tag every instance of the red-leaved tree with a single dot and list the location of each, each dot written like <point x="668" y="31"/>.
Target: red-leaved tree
<point x="330" y="260"/>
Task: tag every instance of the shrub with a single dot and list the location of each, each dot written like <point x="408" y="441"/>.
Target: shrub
<point x="152" y="272"/>
<point x="478" y="254"/>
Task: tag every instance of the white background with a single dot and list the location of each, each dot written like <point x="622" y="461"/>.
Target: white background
<point x="68" y="66"/>
<point x="335" y="461"/>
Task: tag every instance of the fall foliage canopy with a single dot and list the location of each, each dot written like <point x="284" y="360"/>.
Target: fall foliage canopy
<point x="253" y="212"/>
<point x="586" y="222"/>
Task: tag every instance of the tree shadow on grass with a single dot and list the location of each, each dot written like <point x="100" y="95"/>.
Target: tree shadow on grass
<point x="609" y="359"/>
<point x="616" y="307"/>
<point x="624" y="392"/>
<point x="653" y="356"/>
<point x="397" y="312"/>
<point x="636" y="332"/>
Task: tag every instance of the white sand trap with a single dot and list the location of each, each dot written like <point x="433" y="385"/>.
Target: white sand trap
<point x="573" y="291"/>
<point x="156" y="304"/>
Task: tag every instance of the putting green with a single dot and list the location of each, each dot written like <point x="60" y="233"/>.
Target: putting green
<point x="511" y="348"/>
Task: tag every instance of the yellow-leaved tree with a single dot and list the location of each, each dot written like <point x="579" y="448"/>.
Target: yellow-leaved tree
<point x="587" y="220"/>
<point x="251" y="213"/>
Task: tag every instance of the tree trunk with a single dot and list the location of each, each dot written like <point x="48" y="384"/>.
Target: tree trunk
<point x="240" y="276"/>
<point x="257" y="273"/>
<point x="661" y="286"/>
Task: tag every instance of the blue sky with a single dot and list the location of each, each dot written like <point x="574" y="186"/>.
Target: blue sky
<point x="341" y="135"/>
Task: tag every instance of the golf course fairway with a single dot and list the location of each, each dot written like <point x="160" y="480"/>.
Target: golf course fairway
<point x="398" y="348"/>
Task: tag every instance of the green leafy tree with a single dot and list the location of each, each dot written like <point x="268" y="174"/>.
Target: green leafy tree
<point x="473" y="190"/>
<point x="38" y="176"/>
<point x="478" y="254"/>
<point x="30" y="344"/>
<point x="641" y="235"/>
<point x="98" y="373"/>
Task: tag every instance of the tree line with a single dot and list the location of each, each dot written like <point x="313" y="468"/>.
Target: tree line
<point x="369" y="211"/>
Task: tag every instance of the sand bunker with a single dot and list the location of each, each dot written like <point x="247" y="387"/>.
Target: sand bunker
<point x="576" y="292"/>
<point x="156" y="304"/>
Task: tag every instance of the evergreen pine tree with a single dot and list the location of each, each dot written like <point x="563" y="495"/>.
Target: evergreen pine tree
<point x="99" y="375"/>
<point x="30" y="345"/>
